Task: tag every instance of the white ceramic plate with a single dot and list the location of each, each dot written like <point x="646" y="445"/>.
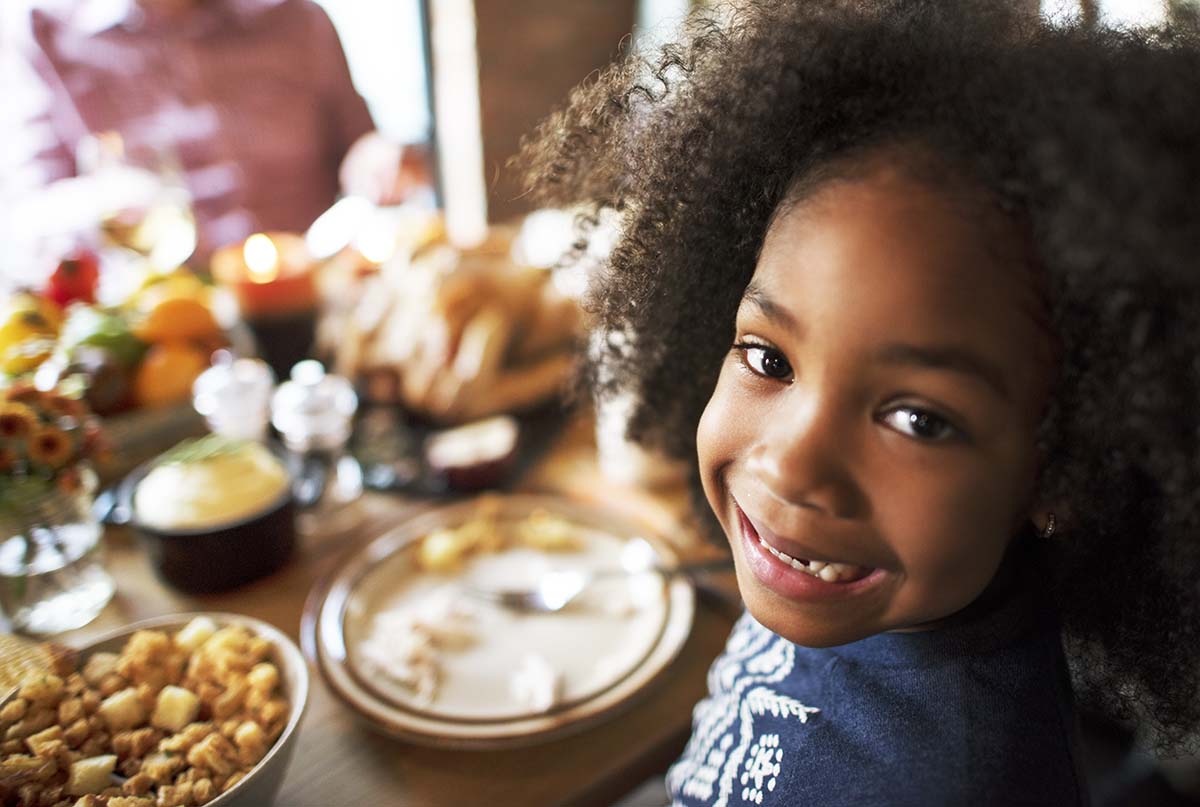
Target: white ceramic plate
<point x="606" y="648"/>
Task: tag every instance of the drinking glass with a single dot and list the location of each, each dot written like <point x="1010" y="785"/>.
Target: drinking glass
<point x="52" y="576"/>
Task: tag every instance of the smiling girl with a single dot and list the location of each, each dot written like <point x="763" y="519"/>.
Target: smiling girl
<point x="877" y="400"/>
<point x="916" y="284"/>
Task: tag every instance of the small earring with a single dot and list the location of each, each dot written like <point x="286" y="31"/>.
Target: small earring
<point x="1048" y="530"/>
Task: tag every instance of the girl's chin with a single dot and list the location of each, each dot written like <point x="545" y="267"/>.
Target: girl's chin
<point x="806" y="631"/>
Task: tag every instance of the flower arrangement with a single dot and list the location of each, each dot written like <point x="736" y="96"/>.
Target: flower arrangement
<point x="49" y="440"/>
<point x="49" y="536"/>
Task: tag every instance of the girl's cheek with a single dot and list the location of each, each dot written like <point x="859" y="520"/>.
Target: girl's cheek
<point x="720" y="433"/>
<point x="950" y="565"/>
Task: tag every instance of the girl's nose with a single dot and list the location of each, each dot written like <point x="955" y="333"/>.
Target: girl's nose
<point x="803" y="456"/>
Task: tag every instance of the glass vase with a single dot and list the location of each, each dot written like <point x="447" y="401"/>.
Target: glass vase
<point x="52" y="576"/>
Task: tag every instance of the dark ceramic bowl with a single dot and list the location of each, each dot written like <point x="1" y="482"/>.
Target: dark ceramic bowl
<point x="213" y="558"/>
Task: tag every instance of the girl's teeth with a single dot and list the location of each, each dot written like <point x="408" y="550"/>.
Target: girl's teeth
<point x="829" y="572"/>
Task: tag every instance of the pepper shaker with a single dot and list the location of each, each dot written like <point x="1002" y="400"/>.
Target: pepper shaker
<point x="314" y="414"/>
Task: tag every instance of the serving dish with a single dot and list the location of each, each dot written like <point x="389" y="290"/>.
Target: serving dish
<point x="604" y="657"/>
<point x="260" y="784"/>
<point x="211" y="559"/>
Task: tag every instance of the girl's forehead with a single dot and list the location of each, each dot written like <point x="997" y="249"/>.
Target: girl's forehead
<point x="881" y="259"/>
<point x="882" y="217"/>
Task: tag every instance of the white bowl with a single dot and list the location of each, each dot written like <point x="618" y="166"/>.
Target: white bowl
<point x="259" y="786"/>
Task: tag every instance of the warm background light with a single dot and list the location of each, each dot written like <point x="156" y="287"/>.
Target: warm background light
<point x="262" y="258"/>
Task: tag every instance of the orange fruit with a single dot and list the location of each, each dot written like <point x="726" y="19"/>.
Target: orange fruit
<point x="166" y="373"/>
<point x="156" y="288"/>
<point x="177" y="318"/>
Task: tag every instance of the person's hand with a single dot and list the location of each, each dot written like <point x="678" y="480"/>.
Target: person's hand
<point x="384" y="172"/>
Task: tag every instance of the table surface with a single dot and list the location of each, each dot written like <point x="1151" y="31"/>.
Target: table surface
<point x="340" y="760"/>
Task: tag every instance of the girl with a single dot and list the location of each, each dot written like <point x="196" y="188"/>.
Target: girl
<point x="915" y="282"/>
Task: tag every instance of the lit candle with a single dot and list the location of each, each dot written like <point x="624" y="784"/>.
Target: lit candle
<point x="270" y="275"/>
<point x="272" y="278"/>
<point x="262" y="258"/>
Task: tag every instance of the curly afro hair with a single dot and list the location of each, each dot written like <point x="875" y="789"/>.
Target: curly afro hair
<point x="1085" y="137"/>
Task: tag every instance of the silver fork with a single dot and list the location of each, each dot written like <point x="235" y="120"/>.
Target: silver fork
<point x="556" y="590"/>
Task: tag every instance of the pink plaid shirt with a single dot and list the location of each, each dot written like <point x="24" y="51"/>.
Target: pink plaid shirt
<point x="250" y="99"/>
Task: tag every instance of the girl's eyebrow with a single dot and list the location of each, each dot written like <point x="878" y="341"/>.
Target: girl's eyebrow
<point x="932" y="357"/>
<point x="953" y="359"/>
<point x="770" y="309"/>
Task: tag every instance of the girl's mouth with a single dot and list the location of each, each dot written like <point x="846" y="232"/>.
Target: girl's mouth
<point x="777" y="570"/>
<point x="829" y="572"/>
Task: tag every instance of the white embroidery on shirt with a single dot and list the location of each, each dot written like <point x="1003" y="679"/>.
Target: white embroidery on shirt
<point x="741" y="688"/>
<point x="764" y="765"/>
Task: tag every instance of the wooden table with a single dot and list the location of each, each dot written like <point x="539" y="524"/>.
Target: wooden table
<point x="340" y="760"/>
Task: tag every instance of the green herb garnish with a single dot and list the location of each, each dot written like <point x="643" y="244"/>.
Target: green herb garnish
<point x="200" y="449"/>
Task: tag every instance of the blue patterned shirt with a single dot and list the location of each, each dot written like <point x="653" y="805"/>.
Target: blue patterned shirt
<point x="978" y="713"/>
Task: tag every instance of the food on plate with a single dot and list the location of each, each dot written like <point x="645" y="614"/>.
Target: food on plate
<point x="445" y="550"/>
<point x="209" y="482"/>
<point x="550" y="533"/>
<point x="20" y="657"/>
<point x="474" y="456"/>
<point x="406" y="644"/>
<point x="433" y="646"/>
<point x="170" y="720"/>
<point x="537" y="684"/>
<point x="460" y="335"/>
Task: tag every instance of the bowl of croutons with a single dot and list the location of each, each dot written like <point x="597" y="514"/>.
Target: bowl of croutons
<point x="180" y="710"/>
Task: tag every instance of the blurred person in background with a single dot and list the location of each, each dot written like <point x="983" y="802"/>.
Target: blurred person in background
<point x="249" y="103"/>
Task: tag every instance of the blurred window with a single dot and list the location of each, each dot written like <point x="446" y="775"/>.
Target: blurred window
<point x="385" y="48"/>
<point x="658" y="21"/>
<point x="1117" y="13"/>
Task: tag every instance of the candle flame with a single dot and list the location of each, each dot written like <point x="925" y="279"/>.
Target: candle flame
<point x="262" y="258"/>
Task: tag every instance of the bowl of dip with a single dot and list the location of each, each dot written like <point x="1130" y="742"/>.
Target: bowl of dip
<point x="213" y="513"/>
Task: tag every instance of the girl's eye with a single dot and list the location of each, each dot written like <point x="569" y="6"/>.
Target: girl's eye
<point x="765" y="361"/>
<point x="920" y="424"/>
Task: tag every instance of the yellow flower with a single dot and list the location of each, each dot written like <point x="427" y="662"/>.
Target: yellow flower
<point x="16" y="420"/>
<point x="50" y="446"/>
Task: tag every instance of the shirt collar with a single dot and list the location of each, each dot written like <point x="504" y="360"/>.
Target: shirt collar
<point x="97" y="16"/>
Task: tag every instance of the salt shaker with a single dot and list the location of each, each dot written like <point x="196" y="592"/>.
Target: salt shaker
<point x="314" y="414"/>
<point x="234" y="396"/>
